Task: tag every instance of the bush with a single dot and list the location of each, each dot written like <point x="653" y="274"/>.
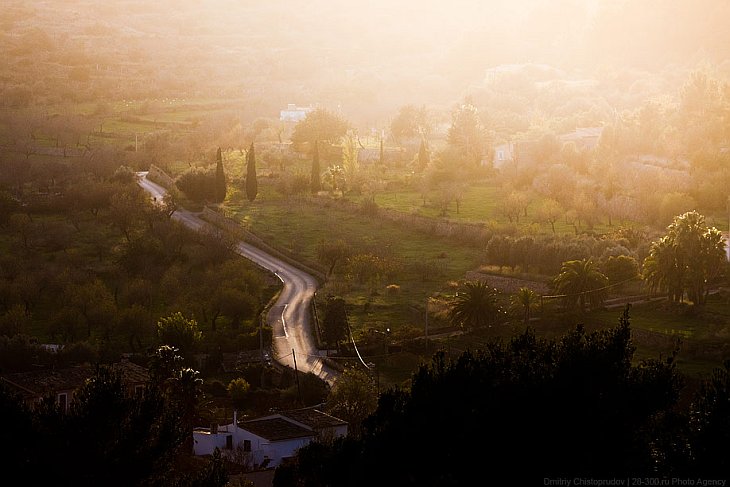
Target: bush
<point x="215" y="388"/>
<point x="238" y="389"/>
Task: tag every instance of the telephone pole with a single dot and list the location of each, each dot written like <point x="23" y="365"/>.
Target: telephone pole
<point x="296" y="376"/>
<point x="426" y="327"/>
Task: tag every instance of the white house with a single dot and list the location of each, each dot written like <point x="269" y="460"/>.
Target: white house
<point x="325" y="425"/>
<point x="293" y="113"/>
<point x="502" y="154"/>
<point x="270" y="439"/>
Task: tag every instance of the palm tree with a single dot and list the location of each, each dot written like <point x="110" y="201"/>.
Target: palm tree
<point x="661" y="271"/>
<point x="581" y="279"/>
<point x="524" y="301"/>
<point x="687" y="259"/>
<point x="475" y="306"/>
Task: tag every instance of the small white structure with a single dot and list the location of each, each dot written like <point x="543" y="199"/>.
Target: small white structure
<point x="293" y="113"/>
<point x="502" y="154"/>
<point x="270" y="439"/>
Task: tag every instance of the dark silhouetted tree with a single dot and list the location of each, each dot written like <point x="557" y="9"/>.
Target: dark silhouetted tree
<point x="252" y="185"/>
<point x="582" y="282"/>
<point x="334" y="322"/>
<point x="330" y="253"/>
<point x="475" y="306"/>
<point x="220" y="178"/>
<point x="106" y="437"/>
<point x="316" y="181"/>
<point x="596" y="417"/>
<point x="687" y="259"/>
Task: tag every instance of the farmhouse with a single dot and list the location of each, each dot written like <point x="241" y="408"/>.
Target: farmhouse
<point x="269" y="440"/>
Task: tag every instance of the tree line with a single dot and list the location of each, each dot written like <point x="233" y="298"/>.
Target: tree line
<point x="577" y="405"/>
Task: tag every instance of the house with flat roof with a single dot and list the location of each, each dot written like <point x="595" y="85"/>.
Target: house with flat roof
<point x="269" y="440"/>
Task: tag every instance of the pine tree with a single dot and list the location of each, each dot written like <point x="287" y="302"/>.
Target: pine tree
<point x="316" y="184"/>
<point x="252" y="185"/>
<point x="220" y="178"/>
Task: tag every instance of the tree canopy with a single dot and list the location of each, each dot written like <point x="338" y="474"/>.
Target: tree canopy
<point x="180" y="332"/>
<point x="220" y="178"/>
<point x="252" y="185"/>
<point x="319" y="125"/>
<point x="467" y="138"/>
<point x="475" y="306"/>
<point x="686" y="260"/>
<point x="107" y="437"/>
<point x="411" y="121"/>
<point x="574" y="404"/>
<point x="582" y="282"/>
<point x="315" y="183"/>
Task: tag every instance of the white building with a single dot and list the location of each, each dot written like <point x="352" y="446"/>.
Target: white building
<point x="270" y="439"/>
<point x="293" y="113"/>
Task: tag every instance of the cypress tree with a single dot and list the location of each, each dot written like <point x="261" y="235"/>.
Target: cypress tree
<point x="220" y="178"/>
<point x="252" y="185"/>
<point x="316" y="184"/>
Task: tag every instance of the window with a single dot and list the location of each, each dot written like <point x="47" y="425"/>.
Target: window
<point x="62" y="401"/>
<point x="500" y="155"/>
<point x="246" y="445"/>
<point x="229" y="442"/>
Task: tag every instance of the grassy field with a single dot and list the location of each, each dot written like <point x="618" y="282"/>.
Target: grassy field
<point x="298" y="227"/>
<point x="480" y="204"/>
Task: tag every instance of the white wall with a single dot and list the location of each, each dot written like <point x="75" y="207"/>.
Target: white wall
<point x="262" y="448"/>
<point x="205" y="443"/>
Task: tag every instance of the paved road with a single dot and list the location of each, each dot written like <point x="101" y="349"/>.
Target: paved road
<point x="289" y="317"/>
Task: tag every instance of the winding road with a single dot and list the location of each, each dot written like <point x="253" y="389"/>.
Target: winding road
<point x="289" y="317"/>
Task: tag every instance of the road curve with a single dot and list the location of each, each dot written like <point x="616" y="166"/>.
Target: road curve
<point x="289" y="317"/>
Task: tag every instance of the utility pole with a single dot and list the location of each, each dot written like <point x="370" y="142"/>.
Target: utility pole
<point x="261" y="338"/>
<point x="296" y="376"/>
<point x="427" y="300"/>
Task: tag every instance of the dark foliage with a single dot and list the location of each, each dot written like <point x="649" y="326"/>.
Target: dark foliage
<point x="220" y="178"/>
<point x="316" y="182"/>
<point x="198" y="184"/>
<point x="529" y="409"/>
<point x="252" y="185"/>
<point x="107" y="437"/>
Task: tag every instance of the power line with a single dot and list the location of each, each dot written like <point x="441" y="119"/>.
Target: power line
<point x="591" y="290"/>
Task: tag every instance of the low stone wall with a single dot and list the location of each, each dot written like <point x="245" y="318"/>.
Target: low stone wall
<point x="233" y="226"/>
<point x="157" y="175"/>
<point x="508" y="284"/>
